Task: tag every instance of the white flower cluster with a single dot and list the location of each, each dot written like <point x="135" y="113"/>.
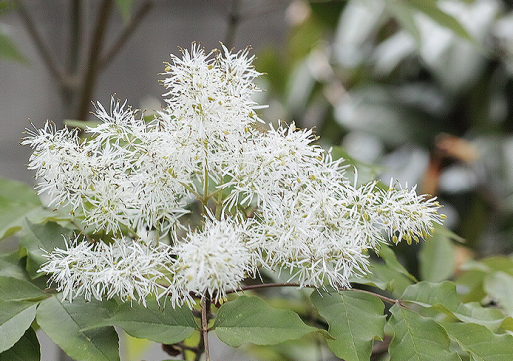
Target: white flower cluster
<point x="271" y="199"/>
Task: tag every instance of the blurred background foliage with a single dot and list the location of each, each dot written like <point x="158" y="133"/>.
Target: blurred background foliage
<point x="420" y="91"/>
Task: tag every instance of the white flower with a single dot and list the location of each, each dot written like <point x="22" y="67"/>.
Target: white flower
<point x="282" y="202"/>
<point x="125" y="268"/>
<point x="214" y="260"/>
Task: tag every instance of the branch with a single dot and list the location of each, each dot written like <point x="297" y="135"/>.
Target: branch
<point x="40" y="45"/>
<point x="272" y="285"/>
<point x="126" y="33"/>
<point x="94" y="58"/>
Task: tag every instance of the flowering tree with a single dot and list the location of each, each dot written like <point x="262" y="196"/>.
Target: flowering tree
<point x="171" y="226"/>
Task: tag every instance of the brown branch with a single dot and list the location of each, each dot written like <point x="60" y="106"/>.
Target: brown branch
<point x="272" y="285"/>
<point x="95" y="50"/>
<point x="41" y="47"/>
<point x="137" y="18"/>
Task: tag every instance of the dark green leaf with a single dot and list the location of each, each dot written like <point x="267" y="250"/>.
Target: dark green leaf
<point x="417" y="338"/>
<point x="26" y="349"/>
<point x="39" y="237"/>
<point x="163" y="325"/>
<point x="355" y="319"/>
<point x="251" y="320"/>
<point x="480" y="342"/>
<point x="14" y="289"/>
<point x="15" y="318"/>
<point x="63" y="322"/>
<point x="17" y="201"/>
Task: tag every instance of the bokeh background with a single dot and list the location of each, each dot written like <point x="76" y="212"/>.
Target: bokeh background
<point x="420" y="91"/>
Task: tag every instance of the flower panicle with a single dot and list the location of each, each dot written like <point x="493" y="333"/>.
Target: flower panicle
<point x="270" y="199"/>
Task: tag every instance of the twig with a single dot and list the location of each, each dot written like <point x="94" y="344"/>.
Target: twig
<point x="40" y="45"/>
<point x="272" y="285"/>
<point x="94" y="58"/>
<point x="126" y="33"/>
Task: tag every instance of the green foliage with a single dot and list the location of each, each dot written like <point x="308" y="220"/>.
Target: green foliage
<point x="67" y="325"/>
<point x="154" y="322"/>
<point x="39" y="237"/>
<point x="443" y="298"/>
<point x="417" y="337"/>
<point x="355" y="319"/>
<point x="14" y="289"/>
<point x="26" y="349"/>
<point x="437" y="257"/>
<point x="15" y="319"/>
<point x="481" y="343"/>
<point x="409" y="102"/>
<point x="390" y="276"/>
<point x="17" y="201"/>
<point x="250" y="319"/>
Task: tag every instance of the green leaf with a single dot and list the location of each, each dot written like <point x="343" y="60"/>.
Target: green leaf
<point x="15" y="319"/>
<point x="383" y="277"/>
<point x="17" y="201"/>
<point x="63" y="322"/>
<point x="14" y="289"/>
<point x="10" y="266"/>
<point x="499" y="286"/>
<point x="39" y="237"/>
<point x="391" y="261"/>
<point x="443" y="297"/>
<point x="391" y="276"/>
<point x="437" y="257"/>
<point x="163" y="325"/>
<point x="417" y="337"/>
<point x="9" y="50"/>
<point x="26" y="349"/>
<point x="250" y="319"/>
<point x="355" y="319"/>
<point x="480" y="342"/>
